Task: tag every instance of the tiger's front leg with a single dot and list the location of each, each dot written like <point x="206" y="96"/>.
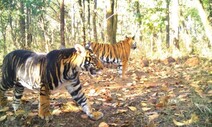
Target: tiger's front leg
<point x="76" y="92"/>
<point x="122" y="69"/>
<point x="44" y="105"/>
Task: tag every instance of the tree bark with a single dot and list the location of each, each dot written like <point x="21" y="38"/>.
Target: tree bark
<point x="174" y="24"/>
<point x="168" y="24"/>
<point x="205" y="21"/>
<point x="29" y="34"/>
<point x="89" y="20"/>
<point x="13" y="33"/>
<point x="210" y="13"/>
<point x="73" y="26"/>
<point x="94" y="22"/>
<point x="82" y="15"/>
<point x="22" y="39"/>
<point x="111" y="21"/>
<point x="210" y="8"/>
<point x="62" y="24"/>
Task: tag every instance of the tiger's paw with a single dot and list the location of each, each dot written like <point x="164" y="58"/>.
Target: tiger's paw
<point x="45" y="115"/>
<point x="96" y="115"/>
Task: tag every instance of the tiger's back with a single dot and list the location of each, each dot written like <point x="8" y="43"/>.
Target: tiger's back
<point x="23" y="66"/>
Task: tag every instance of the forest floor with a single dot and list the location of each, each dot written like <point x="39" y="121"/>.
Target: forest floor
<point x="160" y="93"/>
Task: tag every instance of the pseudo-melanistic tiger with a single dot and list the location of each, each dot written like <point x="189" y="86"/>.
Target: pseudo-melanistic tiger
<point x="45" y="72"/>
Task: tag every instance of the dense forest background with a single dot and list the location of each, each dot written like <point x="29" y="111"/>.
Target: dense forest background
<point x="169" y="77"/>
<point x="162" y="28"/>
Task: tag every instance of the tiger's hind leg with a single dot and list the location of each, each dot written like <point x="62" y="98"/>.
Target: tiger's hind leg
<point x="44" y="104"/>
<point x="76" y="92"/>
<point x="18" y="93"/>
<point x="6" y="83"/>
<point x="3" y="99"/>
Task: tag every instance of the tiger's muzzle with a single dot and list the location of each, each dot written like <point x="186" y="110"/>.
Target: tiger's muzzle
<point x="134" y="46"/>
<point x="93" y="65"/>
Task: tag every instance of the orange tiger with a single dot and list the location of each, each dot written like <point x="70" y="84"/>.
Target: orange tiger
<point x="44" y="72"/>
<point x="117" y="53"/>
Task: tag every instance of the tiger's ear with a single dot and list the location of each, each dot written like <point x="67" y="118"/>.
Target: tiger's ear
<point x="133" y="37"/>
<point x="80" y="49"/>
<point x="126" y="36"/>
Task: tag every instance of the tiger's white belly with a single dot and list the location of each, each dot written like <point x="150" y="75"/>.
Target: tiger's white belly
<point x="29" y="78"/>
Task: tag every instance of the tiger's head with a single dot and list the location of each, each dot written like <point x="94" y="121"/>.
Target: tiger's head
<point x="132" y="42"/>
<point x="91" y="63"/>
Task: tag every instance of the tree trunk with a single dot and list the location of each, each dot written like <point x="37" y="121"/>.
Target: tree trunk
<point x="204" y="19"/>
<point x="82" y="15"/>
<point x="73" y="33"/>
<point x="168" y="24"/>
<point x="111" y="21"/>
<point x="137" y="4"/>
<point x="115" y="21"/>
<point x="89" y="20"/>
<point x="210" y="13"/>
<point x="13" y="33"/>
<point x="62" y="24"/>
<point x="22" y="39"/>
<point x="29" y="34"/>
<point x="210" y="8"/>
<point x="3" y="31"/>
<point x="94" y="21"/>
<point x="174" y="24"/>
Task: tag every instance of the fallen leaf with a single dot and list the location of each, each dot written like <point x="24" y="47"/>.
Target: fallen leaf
<point x="197" y="89"/>
<point x="56" y="111"/>
<point x="106" y="94"/>
<point x="32" y="114"/>
<point x="103" y="124"/>
<point x="143" y="104"/>
<point x="132" y="108"/>
<point x="146" y="109"/>
<point x="19" y="112"/>
<point x="129" y="84"/>
<point x="84" y="116"/>
<point x="153" y="116"/>
<point x="86" y="84"/>
<point x="210" y="92"/>
<point x="121" y="111"/>
<point x="4" y="109"/>
<point x="163" y="101"/>
<point x="113" y="124"/>
<point x="9" y="113"/>
<point x="92" y="92"/>
<point x="151" y="124"/>
<point x="194" y="119"/>
<point x="2" y="118"/>
<point x="159" y="105"/>
<point x="164" y="87"/>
